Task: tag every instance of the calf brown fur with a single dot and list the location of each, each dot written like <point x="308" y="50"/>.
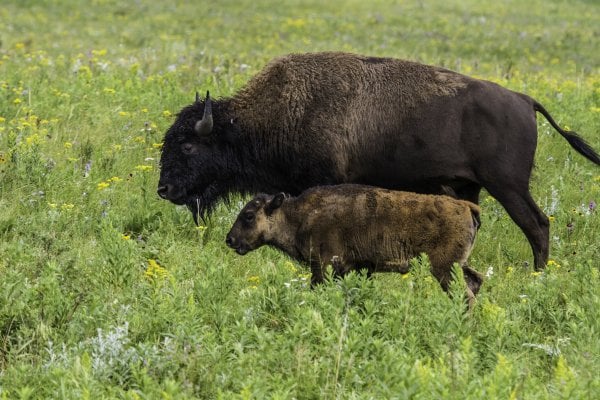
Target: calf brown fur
<point x="355" y="226"/>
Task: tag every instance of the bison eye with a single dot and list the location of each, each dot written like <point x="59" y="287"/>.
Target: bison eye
<point x="187" y="148"/>
<point x="248" y="216"/>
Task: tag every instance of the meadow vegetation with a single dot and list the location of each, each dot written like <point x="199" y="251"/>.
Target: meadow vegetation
<point x="106" y="291"/>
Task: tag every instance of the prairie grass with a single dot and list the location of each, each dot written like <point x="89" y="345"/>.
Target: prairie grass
<point x="106" y="291"/>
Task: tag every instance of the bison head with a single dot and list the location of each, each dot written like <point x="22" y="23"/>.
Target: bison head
<point x="198" y="157"/>
<point x="253" y="227"/>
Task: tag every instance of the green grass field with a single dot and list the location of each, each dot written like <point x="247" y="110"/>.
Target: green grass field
<point x="106" y="291"/>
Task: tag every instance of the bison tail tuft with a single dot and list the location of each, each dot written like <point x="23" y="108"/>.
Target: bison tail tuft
<point x="576" y="141"/>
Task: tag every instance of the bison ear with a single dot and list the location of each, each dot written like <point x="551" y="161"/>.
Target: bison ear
<point x="274" y="203"/>
<point x="204" y="126"/>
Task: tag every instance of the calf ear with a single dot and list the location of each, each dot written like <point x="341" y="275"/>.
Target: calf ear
<point x="274" y="203"/>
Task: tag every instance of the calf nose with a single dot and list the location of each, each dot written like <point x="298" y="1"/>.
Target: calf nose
<point x="164" y="190"/>
<point x="230" y="241"/>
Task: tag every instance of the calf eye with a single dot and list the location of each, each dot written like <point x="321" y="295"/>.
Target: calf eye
<point x="187" y="148"/>
<point x="249" y="216"/>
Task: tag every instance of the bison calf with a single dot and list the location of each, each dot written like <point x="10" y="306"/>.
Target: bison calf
<point x="355" y="226"/>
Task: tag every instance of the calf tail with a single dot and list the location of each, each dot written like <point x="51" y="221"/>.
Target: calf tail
<point x="573" y="138"/>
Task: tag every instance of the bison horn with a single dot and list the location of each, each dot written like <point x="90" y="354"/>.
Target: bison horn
<point x="197" y="98"/>
<point x="205" y="125"/>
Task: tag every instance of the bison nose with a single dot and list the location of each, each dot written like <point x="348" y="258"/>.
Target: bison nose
<point x="173" y="193"/>
<point x="163" y="191"/>
<point x="230" y="241"/>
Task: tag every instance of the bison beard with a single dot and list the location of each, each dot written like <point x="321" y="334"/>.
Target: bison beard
<point x="328" y="118"/>
<point x="202" y="204"/>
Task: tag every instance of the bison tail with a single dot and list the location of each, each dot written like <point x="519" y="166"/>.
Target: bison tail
<point x="573" y="138"/>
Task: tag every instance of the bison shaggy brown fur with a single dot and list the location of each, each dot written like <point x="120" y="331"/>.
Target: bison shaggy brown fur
<point x="355" y="226"/>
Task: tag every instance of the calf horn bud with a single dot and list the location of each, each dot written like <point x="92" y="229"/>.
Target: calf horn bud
<point x="205" y="125"/>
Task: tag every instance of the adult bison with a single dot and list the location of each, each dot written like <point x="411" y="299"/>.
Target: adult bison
<point x="327" y="118"/>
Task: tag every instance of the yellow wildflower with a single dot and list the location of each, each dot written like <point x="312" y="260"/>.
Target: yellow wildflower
<point x="143" y="167"/>
<point x="115" y="179"/>
<point x="84" y="71"/>
<point x="67" y="206"/>
<point x="33" y="139"/>
<point x="17" y="101"/>
<point x="101" y="52"/>
<point x="103" y="185"/>
<point x="295" y="22"/>
<point x="67" y="145"/>
<point x="124" y="113"/>
<point x="117" y="147"/>
<point x="254" y="280"/>
<point x="167" y="113"/>
<point x="552" y="263"/>
<point x="139" y="139"/>
<point x="125" y="237"/>
<point x="154" y="270"/>
<point x="291" y="266"/>
<point x="157" y="145"/>
<point x="2" y="119"/>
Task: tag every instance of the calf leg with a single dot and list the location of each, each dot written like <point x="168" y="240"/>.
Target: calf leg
<point x="316" y="273"/>
<point x="528" y="216"/>
<point x="473" y="280"/>
<point x="400" y="266"/>
<point x="339" y="266"/>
